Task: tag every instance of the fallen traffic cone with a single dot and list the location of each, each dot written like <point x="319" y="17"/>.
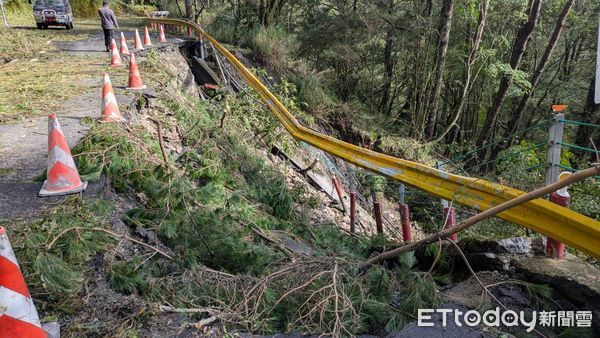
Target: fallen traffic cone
<point x="137" y="41"/>
<point x="135" y="79"/>
<point x="110" y="108"/>
<point x="18" y="317"/>
<point x="116" y="58"/>
<point x="161" y="34"/>
<point x="62" y="178"/>
<point x="124" y="49"/>
<point x="147" y="41"/>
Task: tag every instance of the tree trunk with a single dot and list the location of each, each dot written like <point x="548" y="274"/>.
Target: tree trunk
<point x="518" y="50"/>
<point x="189" y="11"/>
<point x="476" y="41"/>
<point x="388" y="65"/>
<point x="442" y="48"/>
<point x="517" y="114"/>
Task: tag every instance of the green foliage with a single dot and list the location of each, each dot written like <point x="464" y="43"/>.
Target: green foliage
<point x="57" y="276"/>
<point x="273" y="45"/>
<point x="59" y="245"/>
<point x="519" y="166"/>
<point x="125" y="278"/>
<point x="585" y="197"/>
<point x="520" y="78"/>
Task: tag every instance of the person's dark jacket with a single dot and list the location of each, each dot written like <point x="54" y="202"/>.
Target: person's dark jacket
<point x="107" y="16"/>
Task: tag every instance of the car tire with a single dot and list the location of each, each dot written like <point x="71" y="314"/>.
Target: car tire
<point x="39" y="25"/>
<point x="45" y="26"/>
<point x="68" y="26"/>
<point x="71" y="24"/>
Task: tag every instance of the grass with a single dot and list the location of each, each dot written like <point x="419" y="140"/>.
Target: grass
<point x="37" y="86"/>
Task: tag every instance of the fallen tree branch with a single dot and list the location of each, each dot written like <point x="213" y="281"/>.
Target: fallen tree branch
<point x="112" y="233"/>
<point x="576" y="177"/>
<point x="258" y="231"/>
<point x="160" y="140"/>
<point x="310" y="167"/>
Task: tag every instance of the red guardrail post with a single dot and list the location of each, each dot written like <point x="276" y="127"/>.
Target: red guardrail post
<point x="554" y="248"/>
<point x="405" y="217"/>
<point x="352" y="212"/>
<point x="404" y="214"/>
<point x="336" y="183"/>
<point x="450" y="217"/>
<point x="378" y="220"/>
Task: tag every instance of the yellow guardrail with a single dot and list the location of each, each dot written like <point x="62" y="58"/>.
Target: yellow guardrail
<point x="540" y="215"/>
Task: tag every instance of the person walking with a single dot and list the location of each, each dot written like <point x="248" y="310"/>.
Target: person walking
<point x="109" y="23"/>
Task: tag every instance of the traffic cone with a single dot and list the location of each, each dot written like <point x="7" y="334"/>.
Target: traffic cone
<point x="147" y="41"/>
<point x="116" y="58"/>
<point x="110" y="108"/>
<point x="63" y="178"/>
<point x="137" y="41"/>
<point x="18" y="317"/>
<point x="124" y="49"/>
<point x="135" y="79"/>
<point x="161" y="34"/>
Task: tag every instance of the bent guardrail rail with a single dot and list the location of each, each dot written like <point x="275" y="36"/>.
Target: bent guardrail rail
<point x="539" y="215"/>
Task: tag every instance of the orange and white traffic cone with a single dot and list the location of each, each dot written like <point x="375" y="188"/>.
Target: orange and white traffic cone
<point x="63" y="177"/>
<point x="161" y="34"/>
<point x="135" y="79"/>
<point x="116" y="58"/>
<point x="147" y="41"/>
<point x="18" y="317"/>
<point x="124" y="49"/>
<point x="110" y="108"/>
<point x="137" y="41"/>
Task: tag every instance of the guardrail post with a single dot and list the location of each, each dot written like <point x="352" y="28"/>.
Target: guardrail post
<point x="450" y="219"/>
<point x="338" y="189"/>
<point x="378" y="220"/>
<point x="202" y="56"/>
<point x="449" y="211"/>
<point x="555" y="138"/>
<point x="404" y="215"/>
<point x="352" y="212"/>
<point x="555" y="248"/>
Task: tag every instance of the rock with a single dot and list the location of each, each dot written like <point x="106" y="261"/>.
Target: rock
<point x="516" y="245"/>
<point x="538" y="246"/>
<point x="52" y="329"/>
<point x="513" y="246"/>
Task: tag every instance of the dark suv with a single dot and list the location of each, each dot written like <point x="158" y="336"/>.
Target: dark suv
<point x="53" y="13"/>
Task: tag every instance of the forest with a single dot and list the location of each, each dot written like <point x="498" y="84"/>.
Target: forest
<point x="458" y="74"/>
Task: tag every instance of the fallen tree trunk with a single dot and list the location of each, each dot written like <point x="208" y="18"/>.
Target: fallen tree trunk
<point x="576" y="177"/>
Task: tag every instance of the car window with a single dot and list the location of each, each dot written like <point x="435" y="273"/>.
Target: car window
<point x="38" y="3"/>
<point x="54" y="3"/>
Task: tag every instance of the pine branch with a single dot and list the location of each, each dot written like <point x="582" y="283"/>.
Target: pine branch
<point x="114" y="234"/>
